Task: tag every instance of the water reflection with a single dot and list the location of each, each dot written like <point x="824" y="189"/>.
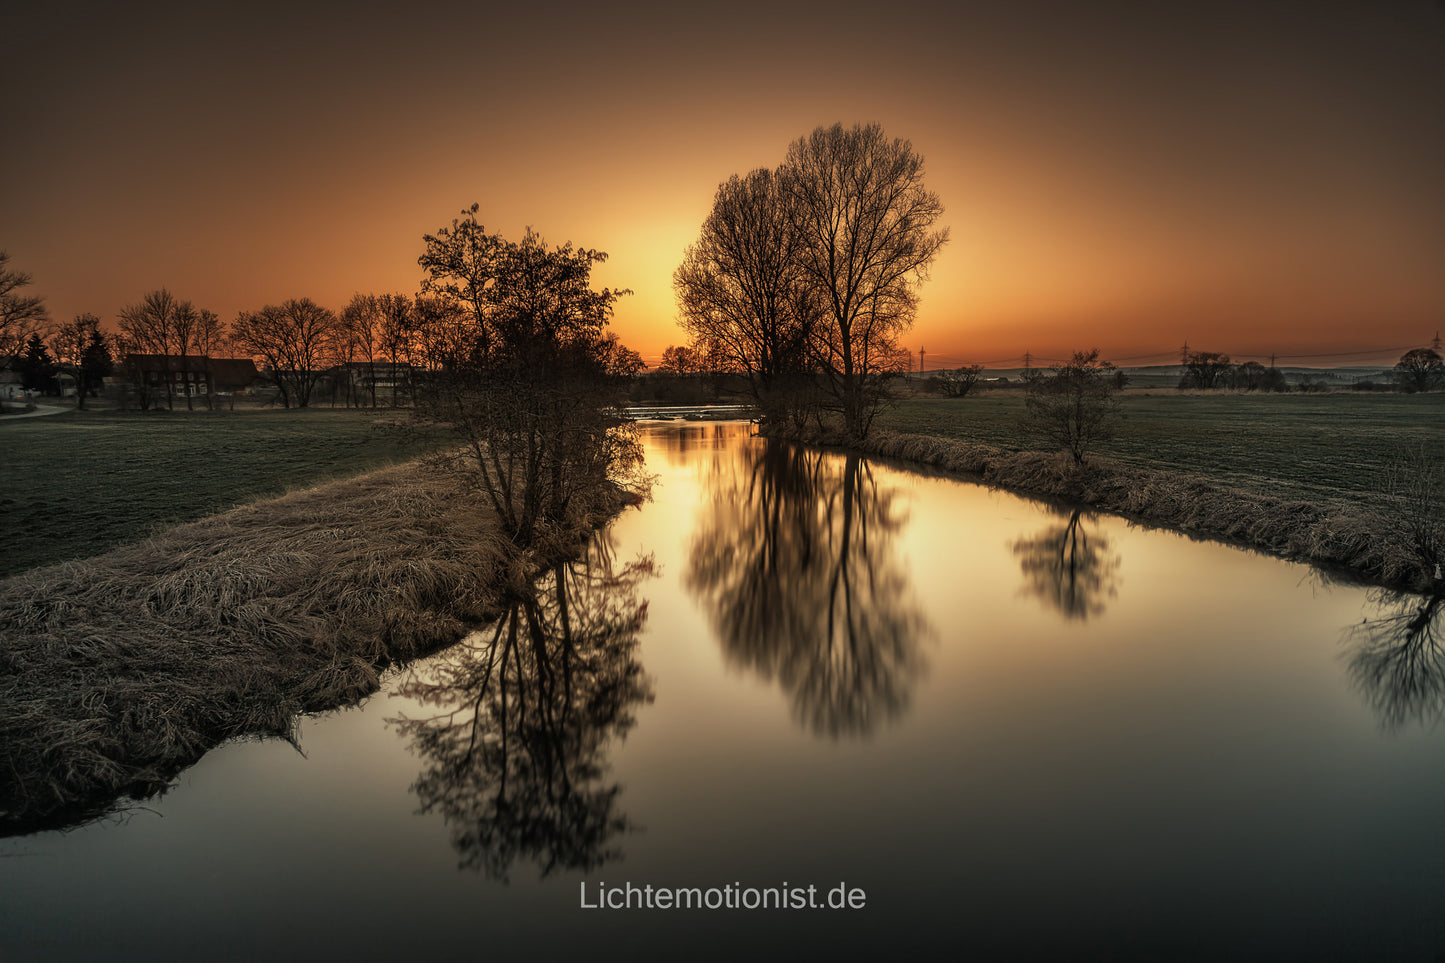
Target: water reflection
<point x="1398" y="661"/>
<point x="1069" y="568"/>
<point x="680" y="441"/>
<point x="515" y="759"/>
<point x="794" y="563"/>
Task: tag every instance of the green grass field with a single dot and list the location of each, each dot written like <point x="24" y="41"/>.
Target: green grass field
<point x="1292" y="445"/>
<point x="77" y="484"/>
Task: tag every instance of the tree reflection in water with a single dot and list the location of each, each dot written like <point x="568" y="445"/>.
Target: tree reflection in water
<point x="794" y="564"/>
<point x="515" y="758"/>
<point x="1069" y="569"/>
<point x="1398" y="660"/>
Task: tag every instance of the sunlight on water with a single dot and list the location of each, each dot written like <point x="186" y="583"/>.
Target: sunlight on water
<point x="1026" y="731"/>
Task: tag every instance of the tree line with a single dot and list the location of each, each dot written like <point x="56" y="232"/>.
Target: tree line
<point x="385" y="337"/>
<point x="508" y="345"/>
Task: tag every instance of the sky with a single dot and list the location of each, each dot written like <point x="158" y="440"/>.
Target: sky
<point x="1247" y="177"/>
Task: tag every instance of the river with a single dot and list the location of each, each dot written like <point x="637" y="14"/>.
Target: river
<point x="999" y="729"/>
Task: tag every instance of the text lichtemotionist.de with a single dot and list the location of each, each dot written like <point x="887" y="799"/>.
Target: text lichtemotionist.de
<point x="730" y="896"/>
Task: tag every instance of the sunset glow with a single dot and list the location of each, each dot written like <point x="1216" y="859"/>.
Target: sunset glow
<point x="1250" y="178"/>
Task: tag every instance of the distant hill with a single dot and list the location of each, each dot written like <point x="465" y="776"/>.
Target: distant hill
<point x="1168" y="375"/>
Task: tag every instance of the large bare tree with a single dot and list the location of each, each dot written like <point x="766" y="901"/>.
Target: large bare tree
<point x="742" y="293"/>
<point x="21" y="315"/>
<point x="295" y="340"/>
<point x="151" y="327"/>
<point x="1420" y="369"/>
<point x="361" y="322"/>
<point x="865" y="224"/>
<point x="398" y="336"/>
<point x="183" y="335"/>
<point x="209" y="338"/>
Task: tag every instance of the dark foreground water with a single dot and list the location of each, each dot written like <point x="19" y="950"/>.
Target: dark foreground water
<point x="1008" y="731"/>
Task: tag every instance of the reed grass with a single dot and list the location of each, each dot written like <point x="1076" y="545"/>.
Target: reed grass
<point x="118" y="671"/>
<point x="1362" y="539"/>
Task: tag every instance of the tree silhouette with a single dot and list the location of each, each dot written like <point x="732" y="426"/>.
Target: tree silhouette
<point x="1420" y="369"/>
<point x="680" y="360"/>
<point x="864" y="222"/>
<point x="149" y="327"/>
<point x="1074" y="407"/>
<point x="1205" y="369"/>
<point x="21" y="315"/>
<point x="795" y="567"/>
<point x="1068" y="569"/>
<point x="37" y="367"/>
<point x="295" y="340"/>
<point x="81" y="347"/>
<point x="742" y="294"/>
<point x="523" y="369"/>
<point x="958" y="382"/>
<point x="514" y="761"/>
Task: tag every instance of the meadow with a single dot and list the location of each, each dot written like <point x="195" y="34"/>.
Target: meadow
<point x="78" y="484"/>
<point x="1307" y="447"/>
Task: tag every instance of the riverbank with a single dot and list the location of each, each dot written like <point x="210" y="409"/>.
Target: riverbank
<point x="118" y="671"/>
<point x="1343" y="535"/>
<point x="1301" y="447"/>
<point x="85" y="482"/>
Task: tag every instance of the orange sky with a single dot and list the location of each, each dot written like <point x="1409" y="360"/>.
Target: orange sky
<point x="1252" y="177"/>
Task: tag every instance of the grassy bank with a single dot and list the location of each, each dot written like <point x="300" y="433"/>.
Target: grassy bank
<point x="118" y="671"/>
<point x="1297" y="447"/>
<point x="1342" y="531"/>
<point x="80" y="483"/>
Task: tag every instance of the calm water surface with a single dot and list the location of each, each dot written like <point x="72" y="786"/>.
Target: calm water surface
<point x="1022" y="732"/>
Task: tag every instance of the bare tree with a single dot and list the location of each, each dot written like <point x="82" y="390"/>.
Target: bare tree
<point x="21" y="315"/>
<point x="680" y="360"/>
<point x="742" y="293"/>
<point x="74" y="347"/>
<point x="958" y="382"/>
<point x="361" y="322"/>
<point x="1420" y="369"/>
<point x="1253" y="376"/>
<point x="865" y="224"/>
<point x="183" y="333"/>
<point x="1205" y="369"/>
<point x="209" y="337"/>
<point x="441" y="340"/>
<point x="295" y="340"/>
<point x="461" y="264"/>
<point x="125" y="350"/>
<point x="150" y="328"/>
<point x="1413" y="483"/>
<point x="397" y="337"/>
<point x="1074" y="407"/>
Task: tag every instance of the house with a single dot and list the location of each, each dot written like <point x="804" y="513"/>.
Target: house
<point x="232" y="374"/>
<point x="194" y="375"/>
<point x="385" y="381"/>
<point x="12" y="383"/>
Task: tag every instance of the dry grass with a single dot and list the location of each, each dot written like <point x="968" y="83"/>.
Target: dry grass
<point x="118" y="671"/>
<point x="1366" y="542"/>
